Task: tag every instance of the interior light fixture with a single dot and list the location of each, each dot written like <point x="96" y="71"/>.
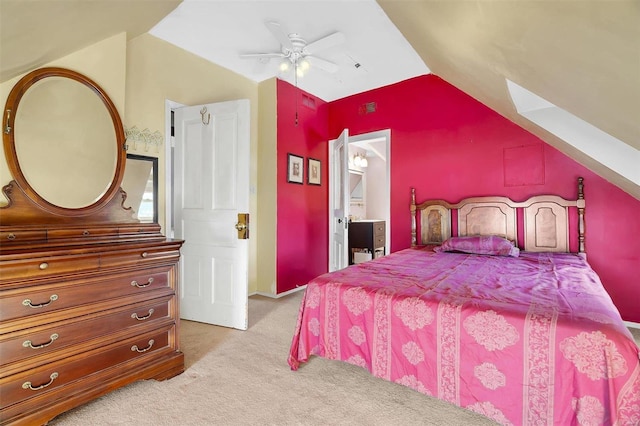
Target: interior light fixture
<point x="360" y="160"/>
<point x="284" y="66"/>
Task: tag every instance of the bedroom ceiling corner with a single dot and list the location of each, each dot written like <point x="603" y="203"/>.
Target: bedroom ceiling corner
<point x="584" y="57"/>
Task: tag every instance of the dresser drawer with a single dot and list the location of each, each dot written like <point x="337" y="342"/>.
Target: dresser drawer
<point x="51" y="377"/>
<point x="139" y="229"/>
<point x="378" y="229"/>
<point x="82" y="233"/>
<point x="19" y="237"/>
<point x="48" y="298"/>
<point x="29" y="269"/>
<point x="44" y="340"/>
<point x="139" y="256"/>
<point x="378" y="242"/>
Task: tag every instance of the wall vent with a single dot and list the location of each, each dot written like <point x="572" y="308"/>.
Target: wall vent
<point x="308" y="101"/>
<point x="367" y="108"/>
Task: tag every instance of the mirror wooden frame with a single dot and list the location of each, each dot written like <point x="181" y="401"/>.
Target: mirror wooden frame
<point x="8" y="137"/>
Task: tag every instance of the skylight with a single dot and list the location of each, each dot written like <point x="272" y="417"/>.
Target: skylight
<point x="602" y="147"/>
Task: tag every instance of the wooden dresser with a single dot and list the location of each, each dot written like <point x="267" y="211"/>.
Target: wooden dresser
<point x="368" y="236"/>
<point x="88" y="296"/>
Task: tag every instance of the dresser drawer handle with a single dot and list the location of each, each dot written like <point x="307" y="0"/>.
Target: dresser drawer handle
<point x="27" y="385"/>
<point x="27" y="302"/>
<point x="85" y="233"/>
<point x="135" y="283"/>
<point x="11" y="237"/>
<point x="43" y="266"/>
<point x="28" y="344"/>
<point x="134" y="348"/>
<point x="144" y="254"/>
<point x="135" y="315"/>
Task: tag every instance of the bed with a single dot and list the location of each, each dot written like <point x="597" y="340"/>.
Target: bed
<point x="524" y="337"/>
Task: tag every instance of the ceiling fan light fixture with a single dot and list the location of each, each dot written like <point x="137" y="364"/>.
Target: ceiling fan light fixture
<point x="304" y="65"/>
<point x="284" y="65"/>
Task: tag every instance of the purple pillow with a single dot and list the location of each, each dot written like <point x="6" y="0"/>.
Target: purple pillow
<point x="488" y="244"/>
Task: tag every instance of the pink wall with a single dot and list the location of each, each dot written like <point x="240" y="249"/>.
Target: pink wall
<point x="447" y="145"/>
<point x="302" y="230"/>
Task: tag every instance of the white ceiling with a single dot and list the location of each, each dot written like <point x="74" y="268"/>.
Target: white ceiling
<point x="221" y="30"/>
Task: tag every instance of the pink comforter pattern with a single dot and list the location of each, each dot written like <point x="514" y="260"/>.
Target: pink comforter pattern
<point x="528" y="340"/>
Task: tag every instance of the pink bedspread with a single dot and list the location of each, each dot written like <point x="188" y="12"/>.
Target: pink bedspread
<point x="528" y="340"/>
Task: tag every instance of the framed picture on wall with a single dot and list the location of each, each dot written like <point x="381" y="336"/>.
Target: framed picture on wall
<point x="314" y="172"/>
<point x="295" y="169"/>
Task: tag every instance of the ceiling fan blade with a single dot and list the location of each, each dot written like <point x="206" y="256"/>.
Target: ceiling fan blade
<point x="262" y="55"/>
<point x="325" y="43"/>
<point x="279" y="33"/>
<point x="323" y="64"/>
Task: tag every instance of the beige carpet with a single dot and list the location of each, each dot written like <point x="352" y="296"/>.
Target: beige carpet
<point x="242" y="378"/>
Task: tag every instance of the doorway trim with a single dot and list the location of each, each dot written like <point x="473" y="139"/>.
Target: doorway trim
<point x="169" y="144"/>
<point x="380" y="134"/>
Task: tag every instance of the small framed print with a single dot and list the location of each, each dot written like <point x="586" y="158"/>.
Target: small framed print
<point x="295" y="169"/>
<point x="314" y="172"/>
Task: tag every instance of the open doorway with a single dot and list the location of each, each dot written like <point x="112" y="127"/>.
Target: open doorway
<point x="364" y="173"/>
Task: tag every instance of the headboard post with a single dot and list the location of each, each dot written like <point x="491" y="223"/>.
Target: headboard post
<point x="413" y="217"/>
<point x="580" y="203"/>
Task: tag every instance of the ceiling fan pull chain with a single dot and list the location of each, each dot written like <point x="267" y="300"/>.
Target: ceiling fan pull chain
<point x="295" y="73"/>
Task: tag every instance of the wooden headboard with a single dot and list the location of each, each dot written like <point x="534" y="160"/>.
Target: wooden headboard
<point x="546" y="220"/>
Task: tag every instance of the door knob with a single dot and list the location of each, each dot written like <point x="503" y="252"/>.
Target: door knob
<point x="242" y="226"/>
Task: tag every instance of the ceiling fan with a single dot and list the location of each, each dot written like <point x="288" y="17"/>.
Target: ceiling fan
<point x="297" y="52"/>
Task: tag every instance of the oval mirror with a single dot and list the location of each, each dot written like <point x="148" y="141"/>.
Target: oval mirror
<point x="64" y="144"/>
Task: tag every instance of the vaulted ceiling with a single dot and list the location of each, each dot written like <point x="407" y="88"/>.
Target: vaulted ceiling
<point x="582" y="56"/>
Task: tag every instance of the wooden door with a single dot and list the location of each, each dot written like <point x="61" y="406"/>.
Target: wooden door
<point x="211" y="187"/>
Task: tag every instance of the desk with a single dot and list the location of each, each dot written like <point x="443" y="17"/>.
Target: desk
<point x="367" y="235"/>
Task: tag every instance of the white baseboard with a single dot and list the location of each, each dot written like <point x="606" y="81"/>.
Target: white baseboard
<point x="286" y="293"/>
<point x="632" y="324"/>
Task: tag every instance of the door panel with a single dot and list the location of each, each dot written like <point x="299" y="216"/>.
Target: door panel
<point x="211" y="187"/>
<point x="340" y="191"/>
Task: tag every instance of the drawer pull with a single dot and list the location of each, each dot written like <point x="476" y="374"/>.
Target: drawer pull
<point x="134" y="348"/>
<point x="11" y="236"/>
<point x="27" y="302"/>
<point x="27" y="385"/>
<point x="43" y="265"/>
<point x="135" y="283"/>
<point x="144" y="254"/>
<point x="135" y="315"/>
<point x="28" y="344"/>
<point x="85" y="233"/>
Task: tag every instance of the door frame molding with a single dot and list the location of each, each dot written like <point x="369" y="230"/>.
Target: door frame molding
<point x="386" y="134"/>
<point x="169" y="106"/>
